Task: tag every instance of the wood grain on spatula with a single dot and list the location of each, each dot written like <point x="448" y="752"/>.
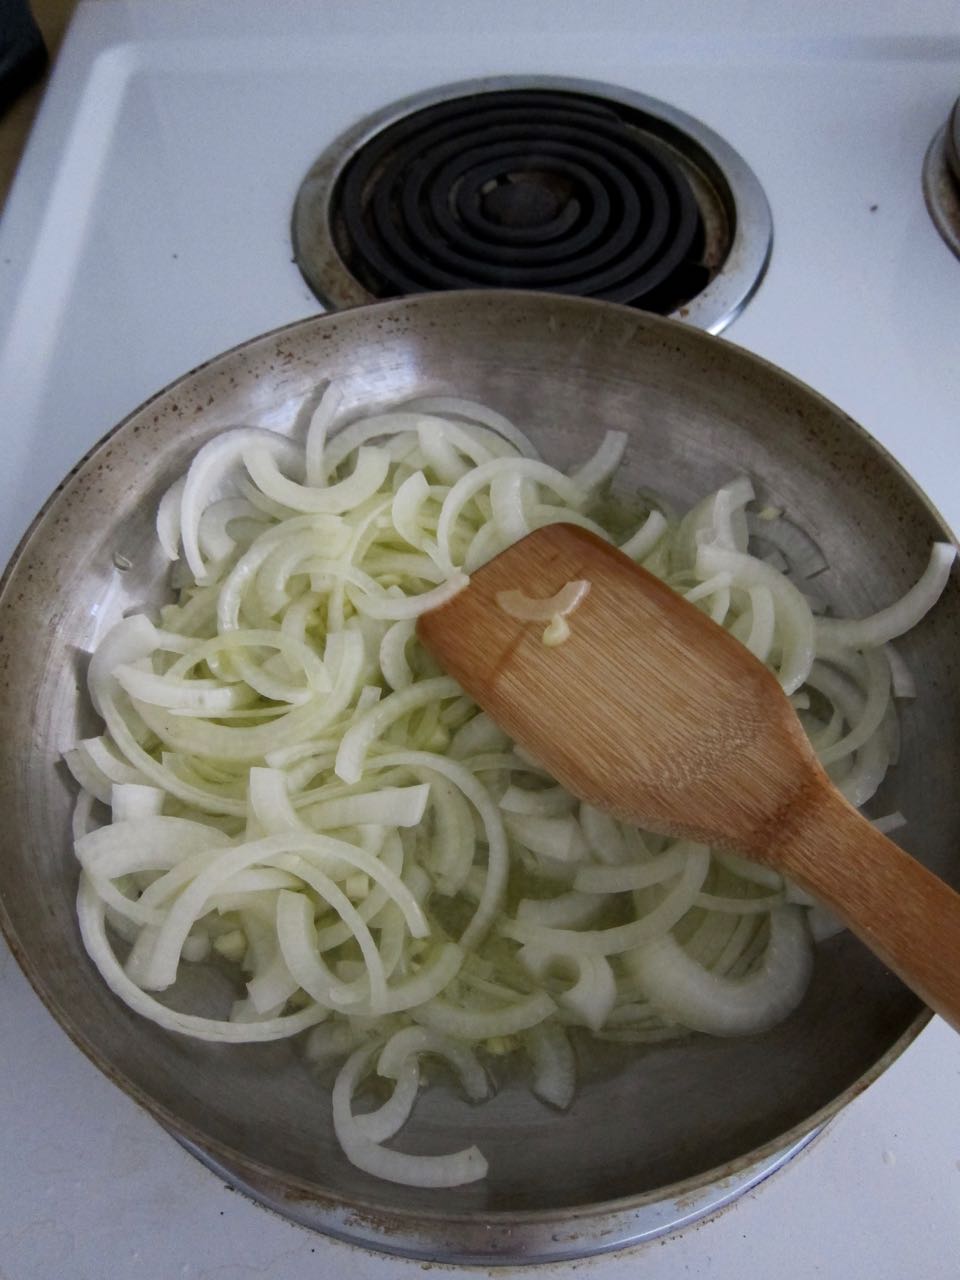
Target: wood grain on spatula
<point x="651" y="711"/>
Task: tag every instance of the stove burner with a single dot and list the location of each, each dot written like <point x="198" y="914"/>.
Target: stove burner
<point x="525" y="191"/>
<point x="555" y="185"/>
<point x="941" y="180"/>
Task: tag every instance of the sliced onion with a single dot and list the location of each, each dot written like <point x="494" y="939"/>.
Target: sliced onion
<point x="477" y="735"/>
<point x="294" y="785"/>
<point x="889" y="822"/>
<point x="387" y="806"/>
<point x="625" y="937"/>
<point x="321" y="420"/>
<point x="475" y="480"/>
<point x="798" y="623"/>
<point x="551" y="802"/>
<point x="800" y="553"/>
<point x="209" y="696"/>
<point x="594" y="991"/>
<point x="298" y="943"/>
<point x="900" y="617"/>
<point x="559" y="838"/>
<point x="414" y="1041"/>
<point x="527" y="609"/>
<point x="704" y="1001"/>
<point x="251" y="744"/>
<point x="90" y="914"/>
<point x="168" y="519"/>
<point x="565" y="911"/>
<point x="399" y="607"/>
<point x="483" y="1024"/>
<point x="510" y="496"/>
<point x="452" y="1170"/>
<point x="640" y="545"/>
<point x="904" y="685"/>
<point x="384" y="1123"/>
<point x="457" y="407"/>
<point x="598" y="470"/>
<point x="412" y="992"/>
<point x="127" y="642"/>
<point x="554" y="1066"/>
<point x="210" y="468"/>
<point x="604" y="836"/>
<point x="366" y="478"/>
<point x="131" y="801"/>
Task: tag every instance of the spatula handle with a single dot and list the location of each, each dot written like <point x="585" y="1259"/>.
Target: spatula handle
<point x="904" y="913"/>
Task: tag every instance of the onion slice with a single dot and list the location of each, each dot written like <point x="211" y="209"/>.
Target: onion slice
<point x="452" y="1170"/>
<point x="704" y="1001"/>
<point x="527" y="609"/>
<point x="900" y="617"/>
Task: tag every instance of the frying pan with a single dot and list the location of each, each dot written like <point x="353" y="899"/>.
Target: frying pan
<point x="649" y="1124"/>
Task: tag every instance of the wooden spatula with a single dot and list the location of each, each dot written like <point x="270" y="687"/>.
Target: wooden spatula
<point x="652" y="712"/>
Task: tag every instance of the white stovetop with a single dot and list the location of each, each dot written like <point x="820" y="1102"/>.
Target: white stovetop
<point x="148" y="230"/>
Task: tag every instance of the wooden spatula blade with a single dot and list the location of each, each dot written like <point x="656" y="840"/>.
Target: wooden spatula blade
<point x="652" y="712"/>
<point x="648" y="709"/>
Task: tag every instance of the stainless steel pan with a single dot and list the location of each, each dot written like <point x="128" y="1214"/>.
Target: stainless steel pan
<point x="698" y="411"/>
